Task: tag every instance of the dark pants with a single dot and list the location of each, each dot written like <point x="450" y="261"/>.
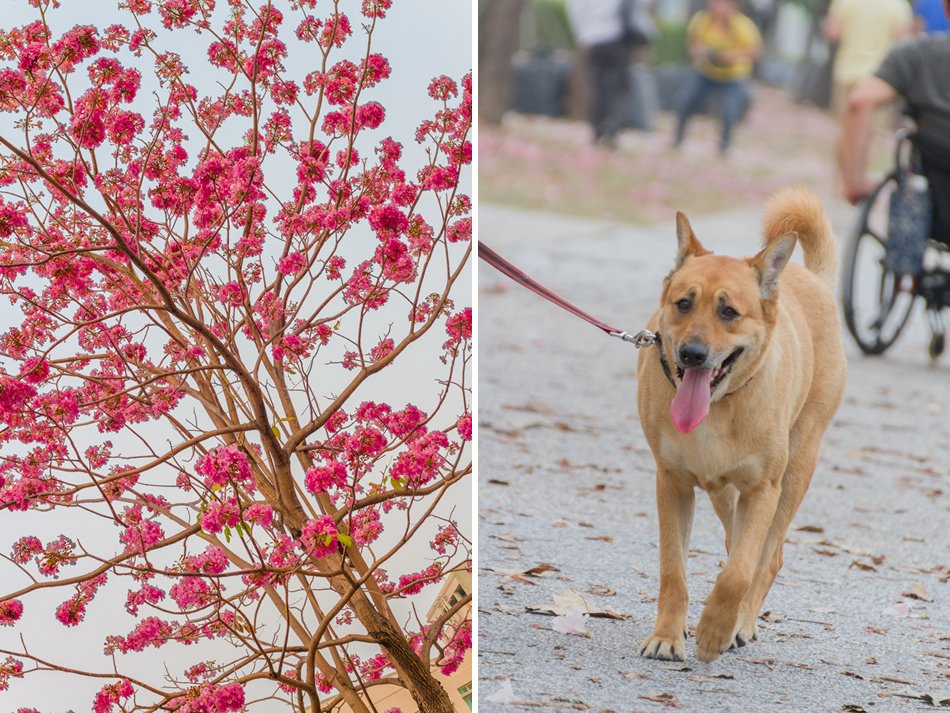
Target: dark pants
<point x="608" y="66"/>
<point x="935" y="157"/>
<point x="733" y="97"/>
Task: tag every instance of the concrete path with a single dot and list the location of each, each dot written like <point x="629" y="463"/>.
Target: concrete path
<point x="860" y="615"/>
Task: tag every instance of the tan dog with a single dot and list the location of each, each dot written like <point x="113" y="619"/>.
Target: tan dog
<point x="757" y="370"/>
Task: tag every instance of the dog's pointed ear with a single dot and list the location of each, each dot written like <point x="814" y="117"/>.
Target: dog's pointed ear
<point x="770" y="262"/>
<point x="688" y="243"/>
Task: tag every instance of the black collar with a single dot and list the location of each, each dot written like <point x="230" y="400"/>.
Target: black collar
<point x="663" y="362"/>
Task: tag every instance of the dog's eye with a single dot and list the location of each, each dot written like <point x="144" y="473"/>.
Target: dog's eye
<point x="728" y="313"/>
<point x="684" y="305"/>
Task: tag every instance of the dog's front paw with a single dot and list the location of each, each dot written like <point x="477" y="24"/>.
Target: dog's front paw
<point x="666" y="648"/>
<point x="715" y="634"/>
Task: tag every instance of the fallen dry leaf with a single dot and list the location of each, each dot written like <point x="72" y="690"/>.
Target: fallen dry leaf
<point x="571" y="600"/>
<point x="601" y="590"/>
<point x="505" y="694"/>
<point x="894" y="679"/>
<point x="772" y="616"/>
<point x="918" y="591"/>
<point x="862" y="565"/>
<point x="901" y="609"/>
<point x="667" y="699"/>
<point x="571" y="623"/>
<point x="809" y="528"/>
<point x="940" y="698"/>
<point x="540" y="569"/>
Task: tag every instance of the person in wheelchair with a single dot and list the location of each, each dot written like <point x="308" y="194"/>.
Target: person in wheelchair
<point x="915" y="70"/>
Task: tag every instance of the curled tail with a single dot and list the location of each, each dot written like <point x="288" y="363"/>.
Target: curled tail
<point x="798" y="210"/>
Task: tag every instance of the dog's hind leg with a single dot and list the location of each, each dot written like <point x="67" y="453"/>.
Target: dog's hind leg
<point x="724" y="503"/>
<point x="795" y="483"/>
<point x="719" y="622"/>
<point x="675" y="504"/>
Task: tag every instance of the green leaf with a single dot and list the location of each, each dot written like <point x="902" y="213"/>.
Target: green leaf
<point x="227" y="534"/>
<point x="345" y="540"/>
<point x="275" y="431"/>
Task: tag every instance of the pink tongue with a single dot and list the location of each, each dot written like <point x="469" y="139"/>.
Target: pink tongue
<point x="691" y="403"/>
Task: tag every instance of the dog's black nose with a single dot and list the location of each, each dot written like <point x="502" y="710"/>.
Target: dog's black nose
<point x="693" y="354"/>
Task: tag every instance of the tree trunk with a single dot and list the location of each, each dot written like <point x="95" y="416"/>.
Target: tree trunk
<point x="415" y="673"/>
<point x="499" y="22"/>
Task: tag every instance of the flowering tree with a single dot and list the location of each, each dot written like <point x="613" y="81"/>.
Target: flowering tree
<point x="208" y="273"/>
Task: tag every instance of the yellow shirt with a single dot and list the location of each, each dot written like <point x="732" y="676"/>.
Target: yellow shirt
<point x="868" y="29"/>
<point x="741" y="34"/>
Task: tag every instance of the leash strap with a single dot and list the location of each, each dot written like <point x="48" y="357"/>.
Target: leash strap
<point x="643" y="338"/>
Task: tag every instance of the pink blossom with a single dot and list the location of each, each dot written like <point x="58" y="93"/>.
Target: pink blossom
<point x="464" y="427"/>
<point x="319" y="537"/>
<point x="223" y="465"/>
<point x="25" y="548"/>
<point x="9" y="668"/>
<point x="366" y="526"/>
<point x="10" y="611"/>
<point x="110" y="694"/>
<point x="443" y="88"/>
<point x="381" y="350"/>
<point x="291" y="264"/>
<point x="259" y="513"/>
<point x="320" y="479"/>
<point x="220" y="515"/>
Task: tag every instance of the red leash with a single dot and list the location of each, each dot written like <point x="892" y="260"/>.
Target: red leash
<point x="641" y="339"/>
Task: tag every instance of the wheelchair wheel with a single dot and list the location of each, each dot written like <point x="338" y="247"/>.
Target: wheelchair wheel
<point x="877" y="303"/>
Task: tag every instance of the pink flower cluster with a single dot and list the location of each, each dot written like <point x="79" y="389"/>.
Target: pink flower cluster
<point x="14" y="397"/>
<point x="224" y="465"/>
<point x="10" y="611"/>
<point x="414" y="582"/>
<point x="454" y="652"/>
<point x="142" y="531"/>
<point x="221" y="514"/>
<point x="447" y="537"/>
<point x="422" y="460"/>
<point x="73" y="610"/>
<point x="321" y="479"/>
<point x="319" y="538"/>
<point x="110" y="694"/>
<point x="210" y="698"/>
<point x="464" y="427"/>
<point x="9" y="668"/>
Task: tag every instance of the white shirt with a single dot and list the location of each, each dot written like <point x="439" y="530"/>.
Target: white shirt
<point x="595" y="21"/>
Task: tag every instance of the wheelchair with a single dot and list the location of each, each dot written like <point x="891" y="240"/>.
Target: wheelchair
<point x="877" y="302"/>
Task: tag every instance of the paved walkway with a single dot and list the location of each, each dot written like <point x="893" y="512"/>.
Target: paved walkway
<point x="860" y="615"/>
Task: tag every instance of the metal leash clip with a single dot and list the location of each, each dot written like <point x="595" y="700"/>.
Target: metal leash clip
<point x="643" y="338"/>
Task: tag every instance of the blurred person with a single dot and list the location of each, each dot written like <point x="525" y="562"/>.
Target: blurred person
<point x="929" y="17"/>
<point x="863" y="30"/>
<point x="603" y="29"/>
<point x="724" y="45"/>
<point x="916" y="71"/>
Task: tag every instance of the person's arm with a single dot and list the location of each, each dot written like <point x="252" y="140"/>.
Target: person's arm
<point x="832" y="29"/>
<point x="854" y="144"/>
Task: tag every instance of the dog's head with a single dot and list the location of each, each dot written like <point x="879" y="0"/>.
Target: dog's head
<point x="716" y="316"/>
